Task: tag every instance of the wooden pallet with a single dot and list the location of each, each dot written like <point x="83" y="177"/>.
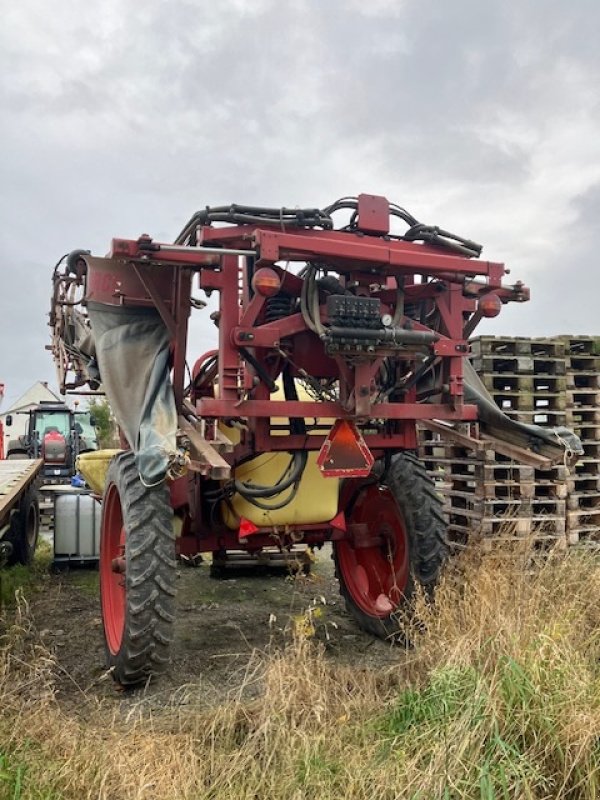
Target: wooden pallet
<point x="512" y="382"/>
<point x="584" y="522"/>
<point x="583" y="399"/>
<point x="517" y="346"/>
<point x="578" y="381"/>
<point x="46" y="507"/>
<point x="530" y="402"/>
<point x="546" y="418"/>
<point x="583" y="415"/>
<point x="582" y="484"/>
<point x="506" y="529"/>
<point x="521" y="365"/>
<point x="582" y="500"/>
<point x="581" y="346"/>
<point x="578" y="417"/>
<point x="549" y="382"/>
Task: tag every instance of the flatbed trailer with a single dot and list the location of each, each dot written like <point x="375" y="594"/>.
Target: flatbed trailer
<point x="19" y="512"/>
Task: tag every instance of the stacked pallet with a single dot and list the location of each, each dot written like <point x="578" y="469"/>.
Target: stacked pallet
<point x="485" y="495"/>
<point x="527" y="380"/>
<point x="525" y="377"/>
<point x="46" y="507"/>
<point x="582" y="357"/>
<point x="490" y="495"/>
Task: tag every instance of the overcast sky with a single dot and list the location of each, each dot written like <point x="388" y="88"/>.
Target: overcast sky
<point x="123" y="117"/>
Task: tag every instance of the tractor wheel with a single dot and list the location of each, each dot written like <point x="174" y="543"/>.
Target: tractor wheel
<point x="398" y="540"/>
<point x="137" y="574"/>
<point x="24" y="529"/>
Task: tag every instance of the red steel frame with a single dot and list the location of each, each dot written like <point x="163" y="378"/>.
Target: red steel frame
<point x="149" y="273"/>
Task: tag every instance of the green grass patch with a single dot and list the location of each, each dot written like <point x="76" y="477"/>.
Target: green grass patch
<point x="86" y="580"/>
<point x="450" y="691"/>
<point x="22" y="776"/>
<point x="11" y="778"/>
<point x="23" y="579"/>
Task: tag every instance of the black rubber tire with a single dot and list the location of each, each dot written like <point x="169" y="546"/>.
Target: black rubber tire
<point x="421" y="509"/>
<point x="24" y="529"/>
<point x="150" y="577"/>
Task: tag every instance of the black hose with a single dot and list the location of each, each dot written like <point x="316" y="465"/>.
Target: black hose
<point x="256" y="215"/>
<point x="297" y="463"/>
<point x="259" y="369"/>
<point x="276" y="506"/>
<point x="295" y="469"/>
<point x="322" y="218"/>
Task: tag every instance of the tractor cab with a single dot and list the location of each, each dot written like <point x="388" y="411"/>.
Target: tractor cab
<point x="51" y="439"/>
<point x="56" y="434"/>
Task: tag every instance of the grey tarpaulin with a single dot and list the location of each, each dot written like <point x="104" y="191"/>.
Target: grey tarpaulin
<point x="132" y="348"/>
<point x="495" y="422"/>
<point x="555" y="443"/>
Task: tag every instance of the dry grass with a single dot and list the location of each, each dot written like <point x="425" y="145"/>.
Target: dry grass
<point x="500" y="698"/>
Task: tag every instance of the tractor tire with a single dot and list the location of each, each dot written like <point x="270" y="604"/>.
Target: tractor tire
<point x="24" y="530"/>
<point x="137" y="574"/>
<point x="398" y="542"/>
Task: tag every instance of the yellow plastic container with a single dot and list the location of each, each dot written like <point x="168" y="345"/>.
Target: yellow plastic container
<point x="316" y="500"/>
<point x="94" y="466"/>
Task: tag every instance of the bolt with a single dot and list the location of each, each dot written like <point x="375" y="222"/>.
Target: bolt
<point x="118" y="565"/>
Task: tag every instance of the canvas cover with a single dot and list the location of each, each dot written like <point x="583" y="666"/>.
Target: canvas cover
<point x="553" y="442"/>
<point x="132" y="349"/>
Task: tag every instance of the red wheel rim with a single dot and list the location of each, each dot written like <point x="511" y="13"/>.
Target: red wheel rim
<point x="112" y="581"/>
<point x="375" y="576"/>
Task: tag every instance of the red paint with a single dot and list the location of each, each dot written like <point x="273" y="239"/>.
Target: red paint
<point x="338" y="523"/>
<point x="489" y="305"/>
<point x="179" y="492"/>
<point x="374" y="559"/>
<point x="112" y="580"/>
<point x="373" y="214"/>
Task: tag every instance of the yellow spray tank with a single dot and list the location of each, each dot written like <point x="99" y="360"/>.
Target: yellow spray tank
<point x="316" y="500"/>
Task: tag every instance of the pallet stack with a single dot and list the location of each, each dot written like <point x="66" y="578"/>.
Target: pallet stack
<point x="582" y="357"/>
<point x="526" y="377"/>
<point x="46" y="507"/>
<point x="527" y="380"/>
<point x="488" y="495"/>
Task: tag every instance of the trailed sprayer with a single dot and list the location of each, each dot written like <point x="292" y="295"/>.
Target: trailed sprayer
<point x="336" y="331"/>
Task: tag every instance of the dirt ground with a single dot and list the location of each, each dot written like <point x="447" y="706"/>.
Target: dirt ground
<point x="223" y="628"/>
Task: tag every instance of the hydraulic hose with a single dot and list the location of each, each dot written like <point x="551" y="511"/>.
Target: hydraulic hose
<point x="297" y="464"/>
<point x="295" y="468"/>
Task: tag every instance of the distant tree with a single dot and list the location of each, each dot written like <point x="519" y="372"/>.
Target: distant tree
<point x="106" y="427"/>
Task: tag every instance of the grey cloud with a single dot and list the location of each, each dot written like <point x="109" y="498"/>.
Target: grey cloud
<point x="121" y="118"/>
